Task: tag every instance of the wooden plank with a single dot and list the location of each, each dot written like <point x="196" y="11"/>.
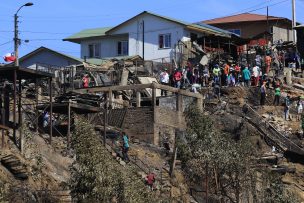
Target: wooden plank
<point x="4" y="127"/>
<point x="113" y="88"/>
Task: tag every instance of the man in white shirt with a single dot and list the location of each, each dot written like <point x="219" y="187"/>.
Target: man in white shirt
<point x="164" y="80"/>
<point x="256" y="75"/>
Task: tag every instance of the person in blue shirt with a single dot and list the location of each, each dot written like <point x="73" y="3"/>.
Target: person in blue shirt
<point x="125" y="146"/>
<point x="246" y="76"/>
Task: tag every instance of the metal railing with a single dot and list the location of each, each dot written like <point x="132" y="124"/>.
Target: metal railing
<point x="270" y="131"/>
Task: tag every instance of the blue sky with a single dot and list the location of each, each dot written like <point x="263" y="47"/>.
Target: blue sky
<point x="47" y="22"/>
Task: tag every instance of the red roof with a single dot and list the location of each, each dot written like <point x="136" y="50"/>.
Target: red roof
<point x="243" y="17"/>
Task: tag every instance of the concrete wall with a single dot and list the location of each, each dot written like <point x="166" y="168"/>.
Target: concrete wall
<point x="152" y="126"/>
<point x="47" y="57"/>
<point x="167" y="122"/>
<point x="139" y="123"/>
<point x="170" y="102"/>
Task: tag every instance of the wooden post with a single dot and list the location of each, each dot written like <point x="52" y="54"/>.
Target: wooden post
<point x="199" y="103"/>
<point x="173" y="162"/>
<point x="2" y="144"/>
<point x="51" y="109"/>
<point x="179" y="102"/>
<point x="105" y="121"/>
<point x="110" y="96"/>
<point x="14" y="106"/>
<point x="36" y="110"/>
<point x="69" y="124"/>
<point x="153" y="95"/>
<point x="138" y="99"/>
<point x="20" y="117"/>
<point x="206" y="183"/>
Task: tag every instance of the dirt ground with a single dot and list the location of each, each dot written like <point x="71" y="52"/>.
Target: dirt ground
<point x="47" y="169"/>
<point x="227" y="115"/>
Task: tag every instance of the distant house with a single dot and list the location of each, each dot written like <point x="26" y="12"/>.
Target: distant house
<point x="149" y="35"/>
<point x="249" y="25"/>
<point x="47" y="58"/>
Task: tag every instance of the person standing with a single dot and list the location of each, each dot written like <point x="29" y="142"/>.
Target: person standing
<point x="237" y="70"/>
<point x="226" y="73"/>
<point x="206" y="76"/>
<point x="268" y="63"/>
<point x="216" y="73"/>
<point x="45" y="119"/>
<point x="256" y="75"/>
<point x="164" y="80"/>
<point x="246" y="76"/>
<point x="125" y="147"/>
<point x="185" y="81"/>
<point x="286" y="107"/>
<point x="299" y="109"/>
<point x="263" y="94"/>
<point x="277" y="95"/>
<point x="302" y="124"/>
<point x="85" y="81"/>
<point x="177" y="79"/>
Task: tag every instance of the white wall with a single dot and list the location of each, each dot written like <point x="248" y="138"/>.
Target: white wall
<point x="108" y="46"/>
<point x="133" y="31"/>
<point x="154" y="26"/>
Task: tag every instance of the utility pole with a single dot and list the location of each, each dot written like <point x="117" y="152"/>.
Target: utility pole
<point x="143" y="40"/>
<point x="16" y="40"/>
<point x="294" y="22"/>
<point x="16" y="32"/>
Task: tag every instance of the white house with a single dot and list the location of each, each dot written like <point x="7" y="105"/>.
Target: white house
<point x="149" y="35"/>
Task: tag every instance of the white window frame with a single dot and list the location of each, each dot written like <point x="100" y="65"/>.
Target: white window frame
<point x="122" y="44"/>
<point x="166" y="41"/>
<point x="96" y="50"/>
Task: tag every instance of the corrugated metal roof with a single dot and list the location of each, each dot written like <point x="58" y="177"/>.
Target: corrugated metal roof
<point x="88" y="33"/>
<point x="243" y="17"/>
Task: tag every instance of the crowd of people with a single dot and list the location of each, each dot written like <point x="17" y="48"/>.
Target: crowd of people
<point x="227" y="74"/>
<point x="233" y="74"/>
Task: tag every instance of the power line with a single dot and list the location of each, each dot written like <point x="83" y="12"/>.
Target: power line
<point x="6" y="43"/>
<point x="259" y="8"/>
<point x="271" y="5"/>
<point x="257" y="5"/>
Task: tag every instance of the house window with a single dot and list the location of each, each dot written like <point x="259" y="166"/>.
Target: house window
<point x="164" y="41"/>
<point x="94" y="50"/>
<point x="123" y="48"/>
<point x="235" y="31"/>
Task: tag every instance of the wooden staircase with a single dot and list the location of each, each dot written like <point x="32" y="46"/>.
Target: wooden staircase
<point x="13" y="164"/>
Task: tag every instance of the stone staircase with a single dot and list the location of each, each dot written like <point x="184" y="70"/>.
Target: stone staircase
<point x="13" y="164"/>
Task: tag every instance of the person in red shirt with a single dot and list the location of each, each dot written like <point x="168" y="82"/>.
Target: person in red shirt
<point x="85" y="81"/>
<point x="177" y="77"/>
<point x="226" y="72"/>
<point x="150" y="179"/>
<point x="237" y="70"/>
